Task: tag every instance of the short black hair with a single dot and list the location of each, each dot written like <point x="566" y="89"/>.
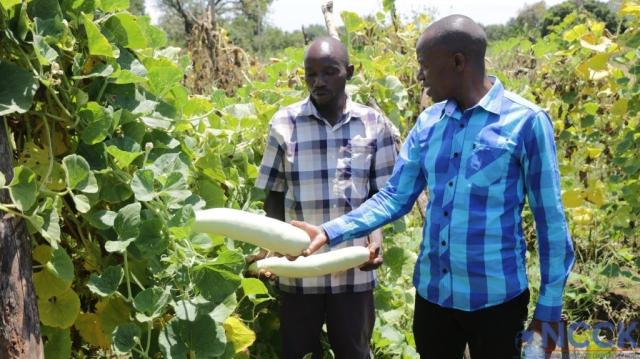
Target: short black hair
<point x="337" y="48"/>
<point x="457" y="34"/>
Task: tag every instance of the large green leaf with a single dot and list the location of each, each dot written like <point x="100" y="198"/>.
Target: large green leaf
<point x="57" y="342"/>
<point x="45" y="53"/>
<point x="182" y="339"/>
<point x="151" y="240"/>
<point x="113" y="311"/>
<point x="60" y="265"/>
<point x="124" y="151"/>
<point x="142" y="185"/>
<point x="8" y="4"/>
<point x="97" y="122"/>
<point x="113" y="5"/>
<point x="127" y="222"/>
<point x="156" y="37"/>
<point x="168" y="163"/>
<point x="98" y="44"/>
<point x="125" y="30"/>
<point x="175" y="190"/>
<point x="79" y="175"/>
<point x="61" y="310"/>
<point x="101" y="219"/>
<point x="89" y="326"/>
<point x="50" y="229"/>
<point x="231" y="260"/>
<point x="212" y="193"/>
<point x="215" y="284"/>
<point x="151" y="303"/>
<point x="131" y="69"/>
<point x="106" y="283"/>
<point x="23" y="188"/>
<point x="44" y="9"/>
<point x="48" y="285"/>
<point x="211" y="166"/>
<point x="82" y="202"/>
<point x="16" y="89"/>
<point x="185" y="310"/>
<point x="51" y="28"/>
<point x="112" y="189"/>
<point x="124" y="337"/>
<point x="163" y="74"/>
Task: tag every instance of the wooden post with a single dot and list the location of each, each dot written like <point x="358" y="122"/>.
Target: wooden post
<point x="19" y="321"/>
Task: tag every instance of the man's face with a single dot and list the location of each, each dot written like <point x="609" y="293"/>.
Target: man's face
<point x="436" y="72"/>
<point x="326" y="78"/>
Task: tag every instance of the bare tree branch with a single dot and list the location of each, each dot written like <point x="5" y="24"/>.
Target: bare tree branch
<point x="327" y="11"/>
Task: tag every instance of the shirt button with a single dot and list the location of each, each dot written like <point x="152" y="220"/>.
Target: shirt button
<point x="462" y="125"/>
<point x="451" y="184"/>
<point x="444" y="243"/>
<point x="455" y="154"/>
<point x="444" y="270"/>
<point x="446" y="213"/>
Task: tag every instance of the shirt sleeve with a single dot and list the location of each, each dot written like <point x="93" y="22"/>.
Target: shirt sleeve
<point x="391" y="202"/>
<point x="542" y="183"/>
<point x="271" y="174"/>
<point x="385" y="156"/>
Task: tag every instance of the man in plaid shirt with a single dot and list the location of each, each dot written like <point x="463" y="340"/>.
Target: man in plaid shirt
<point x="324" y="157"/>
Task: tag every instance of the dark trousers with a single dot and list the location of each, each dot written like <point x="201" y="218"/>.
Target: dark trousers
<point x="349" y="318"/>
<point x="492" y="333"/>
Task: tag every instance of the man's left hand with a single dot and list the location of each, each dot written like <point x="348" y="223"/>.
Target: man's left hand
<point x="536" y="327"/>
<point x="375" y="251"/>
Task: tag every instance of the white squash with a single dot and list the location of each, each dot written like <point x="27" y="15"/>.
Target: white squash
<point x="261" y="231"/>
<point x="314" y="265"/>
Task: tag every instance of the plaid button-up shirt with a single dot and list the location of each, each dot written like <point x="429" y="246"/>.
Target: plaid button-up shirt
<point x="326" y="171"/>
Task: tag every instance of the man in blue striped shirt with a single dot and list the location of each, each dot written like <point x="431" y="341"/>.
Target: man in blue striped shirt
<point x="479" y="150"/>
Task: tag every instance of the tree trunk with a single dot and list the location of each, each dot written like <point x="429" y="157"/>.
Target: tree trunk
<point x="327" y="11"/>
<point x="19" y="323"/>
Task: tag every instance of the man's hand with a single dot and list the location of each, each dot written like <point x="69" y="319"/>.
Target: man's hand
<point x="262" y="274"/>
<point x="316" y="235"/>
<point x="536" y="326"/>
<point x="375" y="251"/>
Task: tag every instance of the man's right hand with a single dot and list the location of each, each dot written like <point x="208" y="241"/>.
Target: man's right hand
<point x="316" y="234"/>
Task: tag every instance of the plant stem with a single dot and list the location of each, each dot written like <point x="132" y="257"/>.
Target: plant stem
<point x="148" y="338"/>
<point x="9" y="137"/>
<point x="12" y="212"/>
<point x="45" y="181"/>
<point x="126" y="272"/>
<point x="104" y="87"/>
<point x="57" y="100"/>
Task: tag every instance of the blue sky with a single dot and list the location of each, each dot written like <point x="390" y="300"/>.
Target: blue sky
<point x="292" y="14"/>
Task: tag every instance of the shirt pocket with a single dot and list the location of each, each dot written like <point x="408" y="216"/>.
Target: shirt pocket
<point x="487" y="164"/>
<point x="353" y="168"/>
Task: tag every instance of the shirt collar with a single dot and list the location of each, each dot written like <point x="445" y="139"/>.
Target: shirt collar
<point x="309" y="109"/>
<point x="490" y="102"/>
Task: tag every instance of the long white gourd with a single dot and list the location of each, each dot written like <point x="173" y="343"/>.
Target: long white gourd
<point x="314" y="265"/>
<point x="265" y="232"/>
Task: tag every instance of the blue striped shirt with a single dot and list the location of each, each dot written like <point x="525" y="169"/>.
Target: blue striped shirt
<point x="478" y="165"/>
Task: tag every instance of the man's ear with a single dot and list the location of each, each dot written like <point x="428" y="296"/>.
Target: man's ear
<point x="459" y="61"/>
<point x="350" y="70"/>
